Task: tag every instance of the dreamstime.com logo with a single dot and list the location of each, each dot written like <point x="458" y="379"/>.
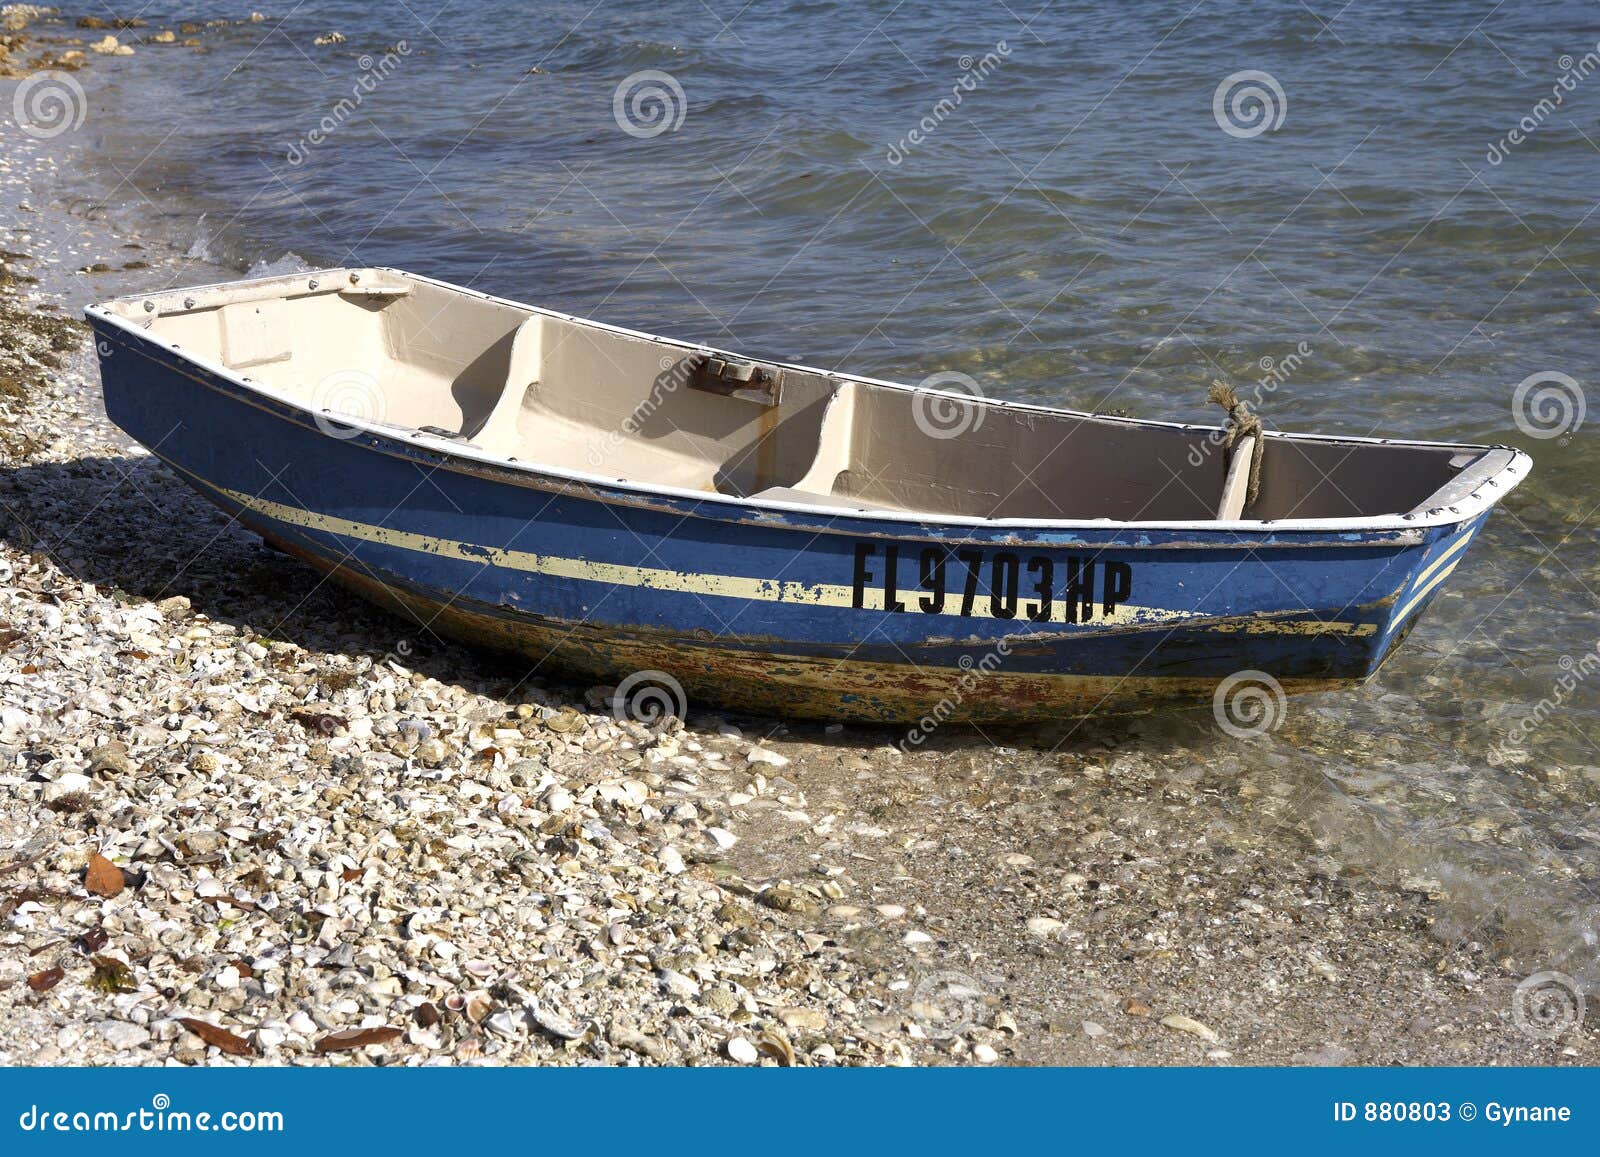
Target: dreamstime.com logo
<point x="1548" y="404"/>
<point x="1548" y="1005"/>
<point x="1249" y="103"/>
<point x="650" y="698"/>
<point x="948" y="1003"/>
<point x="351" y="394"/>
<point x="944" y="415"/>
<point x="973" y="672"/>
<point x="160" y="1117"/>
<point x="649" y="103"/>
<point x="1513" y="747"/>
<point x="973" y="73"/>
<point x="1249" y="703"/>
<point x="373" y="73"/>
<point x="48" y="104"/>
<point x="675" y="374"/>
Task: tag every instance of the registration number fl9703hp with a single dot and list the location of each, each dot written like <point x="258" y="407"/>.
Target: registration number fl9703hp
<point x="997" y="584"/>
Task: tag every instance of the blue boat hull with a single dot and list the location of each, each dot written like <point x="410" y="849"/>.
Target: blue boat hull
<point x="783" y="612"/>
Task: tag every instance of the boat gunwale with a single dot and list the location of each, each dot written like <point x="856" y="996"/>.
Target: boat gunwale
<point x="405" y="440"/>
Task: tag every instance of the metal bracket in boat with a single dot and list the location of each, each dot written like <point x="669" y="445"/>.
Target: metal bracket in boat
<point x="356" y="289"/>
<point x="747" y="381"/>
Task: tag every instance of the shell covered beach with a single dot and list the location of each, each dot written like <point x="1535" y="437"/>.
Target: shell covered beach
<point x="247" y="818"/>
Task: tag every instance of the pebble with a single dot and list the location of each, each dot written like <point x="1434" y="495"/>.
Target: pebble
<point x="120" y="1034"/>
<point x="803" y="1018"/>
<point x="762" y="755"/>
<point x="71" y="783"/>
<point x="1044" y="926"/>
<point x="742" y="1051"/>
<point x="675" y="983"/>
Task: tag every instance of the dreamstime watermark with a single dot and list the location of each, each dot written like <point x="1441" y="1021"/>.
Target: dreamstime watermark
<point x="160" y="1117"/>
<point x="1548" y="1005"/>
<point x="944" y="414"/>
<point x="1274" y="373"/>
<point x="1249" y="103"/>
<point x="373" y="73"/>
<point x="948" y="1003"/>
<point x="648" y="103"/>
<point x="1574" y="672"/>
<point x="650" y="698"/>
<point x="49" y="103"/>
<point x="1573" y="73"/>
<point x="973" y="673"/>
<point x="1548" y="404"/>
<point x="347" y="393"/>
<point x="675" y="374"/>
<point x="1249" y="703"/>
<point x="973" y="73"/>
<point x="400" y="654"/>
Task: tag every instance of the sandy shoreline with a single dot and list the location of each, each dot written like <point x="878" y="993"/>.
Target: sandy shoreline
<point x="322" y="822"/>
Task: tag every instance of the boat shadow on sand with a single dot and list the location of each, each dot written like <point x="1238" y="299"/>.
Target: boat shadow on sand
<point x="131" y="528"/>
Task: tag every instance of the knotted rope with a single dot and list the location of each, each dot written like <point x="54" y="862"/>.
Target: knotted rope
<point x="1241" y="424"/>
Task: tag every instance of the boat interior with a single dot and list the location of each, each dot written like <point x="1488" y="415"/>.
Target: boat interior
<point x="548" y="390"/>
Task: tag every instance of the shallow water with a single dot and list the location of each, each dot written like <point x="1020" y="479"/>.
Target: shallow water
<point x="1080" y="230"/>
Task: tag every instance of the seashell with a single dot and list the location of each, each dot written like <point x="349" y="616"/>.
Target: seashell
<point x="554" y="1023"/>
<point x="301" y="1024"/>
<point x="773" y="1043"/>
<point x="504" y="1023"/>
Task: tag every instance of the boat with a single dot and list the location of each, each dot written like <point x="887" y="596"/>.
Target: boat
<point x="774" y="538"/>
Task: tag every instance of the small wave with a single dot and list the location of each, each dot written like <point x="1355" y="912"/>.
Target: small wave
<point x="288" y="263"/>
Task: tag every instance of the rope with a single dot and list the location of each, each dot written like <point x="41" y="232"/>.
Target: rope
<point x="1241" y="424"/>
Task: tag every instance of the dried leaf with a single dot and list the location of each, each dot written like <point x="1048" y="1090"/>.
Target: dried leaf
<point x="427" y="1014"/>
<point x="218" y="1037"/>
<point x="46" y="980"/>
<point x="316" y="720"/>
<point x="93" y="940"/>
<point x="14" y="865"/>
<point x="356" y="1038"/>
<point x="103" y="877"/>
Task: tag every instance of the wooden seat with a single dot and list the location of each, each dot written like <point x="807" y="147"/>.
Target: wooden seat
<point x="498" y="434"/>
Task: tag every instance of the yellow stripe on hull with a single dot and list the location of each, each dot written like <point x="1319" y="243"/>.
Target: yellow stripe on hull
<point x="619" y="574"/>
<point x="715" y="585"/>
